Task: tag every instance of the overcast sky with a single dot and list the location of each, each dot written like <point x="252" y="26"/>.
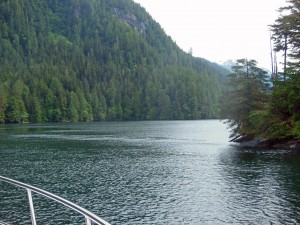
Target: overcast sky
<point x="218" y="30"/>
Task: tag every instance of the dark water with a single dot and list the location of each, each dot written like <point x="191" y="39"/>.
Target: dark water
<point x="170" y="172"/>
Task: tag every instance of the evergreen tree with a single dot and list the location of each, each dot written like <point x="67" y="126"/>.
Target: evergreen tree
<point x="247" y="93"/>
<point x="284" y="105"/>
<point x="3" y="103"/>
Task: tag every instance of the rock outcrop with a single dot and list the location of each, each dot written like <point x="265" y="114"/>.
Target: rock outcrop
<point x="131" y="20"/>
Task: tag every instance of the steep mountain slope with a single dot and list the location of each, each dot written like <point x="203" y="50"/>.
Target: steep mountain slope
<point x="82" y="60"/>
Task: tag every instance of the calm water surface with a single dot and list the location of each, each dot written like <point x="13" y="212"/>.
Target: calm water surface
<point x="164" y="172"/>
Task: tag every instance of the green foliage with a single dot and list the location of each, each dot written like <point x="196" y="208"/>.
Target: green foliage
<point x="296" y="130"/>
<point x="279" y="129"/>
<point x="279" y="117"/>
<point x="83" y="60"/>
<point x="267" y="125"/>
<point x="257" y="119"/>
<point x="3" y="103"/>
<point x="246" y="98"/>
<point x="16" y="111"/>
<point x="285" y="101"/>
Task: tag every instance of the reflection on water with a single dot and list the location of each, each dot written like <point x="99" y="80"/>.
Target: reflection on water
<point x="170" y="172"/>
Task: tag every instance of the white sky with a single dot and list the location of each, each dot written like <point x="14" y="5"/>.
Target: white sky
<point x="218" y="30"/>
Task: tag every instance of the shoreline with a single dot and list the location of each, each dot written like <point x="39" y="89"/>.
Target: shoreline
<point x="291" y="143"/>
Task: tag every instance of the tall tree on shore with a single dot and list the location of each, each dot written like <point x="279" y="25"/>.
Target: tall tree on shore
<point x="285" y="101"/>
<point x="281" y="35"/>
<point x="247" y="92"/>
<point x="286" y="36"/>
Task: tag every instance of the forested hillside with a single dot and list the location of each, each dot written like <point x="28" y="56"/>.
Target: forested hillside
<point x="84" y="60"/>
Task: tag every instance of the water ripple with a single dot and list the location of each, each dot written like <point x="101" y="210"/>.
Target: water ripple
<point x="182" y="172"/>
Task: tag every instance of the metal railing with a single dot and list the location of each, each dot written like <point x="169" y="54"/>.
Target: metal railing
<point x="89" y="217"/>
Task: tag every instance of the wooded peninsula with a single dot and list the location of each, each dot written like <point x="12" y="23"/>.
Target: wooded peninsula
<point x="258" y="107"/>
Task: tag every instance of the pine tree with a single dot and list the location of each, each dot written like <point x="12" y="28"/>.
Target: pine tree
<point x="247" y="92"/>
<point x="285" y="106"/>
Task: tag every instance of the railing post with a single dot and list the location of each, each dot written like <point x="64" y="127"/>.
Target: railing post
<point x="90" y="218"/>
<point x="33" y="220"/>
<point x="88" y="221"/>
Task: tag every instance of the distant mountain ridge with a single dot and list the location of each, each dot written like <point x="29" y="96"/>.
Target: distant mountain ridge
<point x="83" y="60"/>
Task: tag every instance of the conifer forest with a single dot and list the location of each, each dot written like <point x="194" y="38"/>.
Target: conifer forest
<point x="96" y="60"/>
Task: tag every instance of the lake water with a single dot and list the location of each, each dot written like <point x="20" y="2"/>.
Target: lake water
<point x="158" y="172"/>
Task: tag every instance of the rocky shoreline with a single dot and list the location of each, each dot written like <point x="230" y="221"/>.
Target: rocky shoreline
<point x="250" y="142"/>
